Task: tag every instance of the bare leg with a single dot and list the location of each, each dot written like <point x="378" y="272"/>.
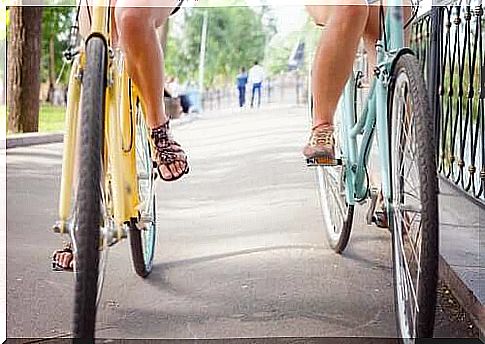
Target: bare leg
<point x="371" y="32"/>
<point x="371" y="35"/>
<point x="144" y="58"/>
<point x="335" y="55"/>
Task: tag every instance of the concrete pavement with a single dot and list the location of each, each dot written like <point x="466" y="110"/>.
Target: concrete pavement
<point x="240" y="250"/>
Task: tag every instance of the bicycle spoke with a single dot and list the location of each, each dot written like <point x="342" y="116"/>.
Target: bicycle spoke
<point x="407" y="224"/>
<point x="408" y="276"/>
<point x="410" y="188"/>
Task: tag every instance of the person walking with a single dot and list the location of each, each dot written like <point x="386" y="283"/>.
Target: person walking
<point x="241" y="81"/>
<point x="256" y="77"/>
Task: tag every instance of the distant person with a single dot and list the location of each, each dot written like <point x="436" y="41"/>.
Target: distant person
<point x="256" y="77"/>
<point x="242" y="80"/>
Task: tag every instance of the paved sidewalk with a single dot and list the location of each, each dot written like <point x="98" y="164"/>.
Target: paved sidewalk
<point x="462" y="244"/>
<point x="462" y="220"/>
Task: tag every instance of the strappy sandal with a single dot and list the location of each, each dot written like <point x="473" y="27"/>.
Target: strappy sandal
<point x="56" y="266"/>
<point x="167" y="151"/>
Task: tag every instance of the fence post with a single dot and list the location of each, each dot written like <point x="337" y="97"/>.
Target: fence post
<point x="434" y="70"/>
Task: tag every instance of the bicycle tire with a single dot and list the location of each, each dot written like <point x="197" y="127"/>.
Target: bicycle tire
<point x="422" y="322"/>
<point x="89" y="190"/>
<point x="142" y="240"/>
<point x="336" y="234"/>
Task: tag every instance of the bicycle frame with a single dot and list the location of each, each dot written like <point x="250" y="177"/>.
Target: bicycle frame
<point x="374" y="114"/>
<point x="119" y="157"/>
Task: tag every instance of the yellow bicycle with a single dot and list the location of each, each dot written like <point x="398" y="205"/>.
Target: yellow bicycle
<point x="107" y="187"/>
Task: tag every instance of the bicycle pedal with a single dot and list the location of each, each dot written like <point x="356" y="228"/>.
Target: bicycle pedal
<point x="58" y="227"/>
<point x="323" y="161"/>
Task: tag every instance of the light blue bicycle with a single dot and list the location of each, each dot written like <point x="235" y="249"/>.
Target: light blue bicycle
<point x="397" y="107"/>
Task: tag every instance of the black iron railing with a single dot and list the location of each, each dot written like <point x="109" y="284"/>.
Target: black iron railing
<point x="449" y="43"/>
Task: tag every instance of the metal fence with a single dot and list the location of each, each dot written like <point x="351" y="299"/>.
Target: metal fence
<point x="287" y="89"/>
<point x="449" y="43"/>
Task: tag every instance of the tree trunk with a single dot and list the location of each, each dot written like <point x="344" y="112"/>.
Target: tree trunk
<point x="24" y="68"/>
<point x="52" y="70"/>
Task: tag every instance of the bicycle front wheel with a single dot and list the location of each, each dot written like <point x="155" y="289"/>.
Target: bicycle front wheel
<point x="337" y="214"/>
<point x="414" y="212"/>
<point x="143" y="230"/>
<point x="89" y="193"/>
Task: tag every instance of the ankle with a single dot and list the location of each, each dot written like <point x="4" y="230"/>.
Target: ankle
<point x="323" y="125"/>
<point x="159" y="122"/>
<point x="160" y="129"/>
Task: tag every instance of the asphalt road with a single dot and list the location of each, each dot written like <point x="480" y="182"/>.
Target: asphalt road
<point x="240" y="249"/>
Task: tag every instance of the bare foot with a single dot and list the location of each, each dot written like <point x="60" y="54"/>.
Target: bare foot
<point x="63" y="260"/>
<point x="169" y="156"/>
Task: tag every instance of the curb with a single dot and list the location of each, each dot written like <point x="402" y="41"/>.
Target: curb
<point x="32" y="139"/>
<point x="22" y="140"/>
<point x="464" y="295"/>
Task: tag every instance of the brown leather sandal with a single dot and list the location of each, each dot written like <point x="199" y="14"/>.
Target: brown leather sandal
<point x="321" y="142"/>
<point x="167" y="151"/>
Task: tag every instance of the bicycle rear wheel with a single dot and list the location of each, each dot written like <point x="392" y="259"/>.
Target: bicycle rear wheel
<point x="89" y="194"/>
<point x="142" y="232"/>
<point x="414" y="213"/>
<point x="337" y="213"/>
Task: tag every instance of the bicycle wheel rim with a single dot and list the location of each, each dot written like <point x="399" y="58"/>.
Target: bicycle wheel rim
<point x="337" y="213"/>
<point x="413" y="216"/>
<point x="146" y="190"/>
<point x="335" y="210"/>
<point x="407" y="276"/>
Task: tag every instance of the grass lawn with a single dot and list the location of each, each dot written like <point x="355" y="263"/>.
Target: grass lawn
<point x="51" y="118"/>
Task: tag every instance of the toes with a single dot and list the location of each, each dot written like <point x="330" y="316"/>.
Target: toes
<point x="180" y="167"/>
<point x="59" y="259"/>
<point x="174" y="169"/>
<point x="166" y="174"/>
<point x="65" y="259"/>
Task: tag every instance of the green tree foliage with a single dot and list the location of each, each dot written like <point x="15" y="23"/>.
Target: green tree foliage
<point x="236" y="37"/>
<point x="281" y="47"/>
<point x="279" y="52"/>
<point x="56" y="22"/>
